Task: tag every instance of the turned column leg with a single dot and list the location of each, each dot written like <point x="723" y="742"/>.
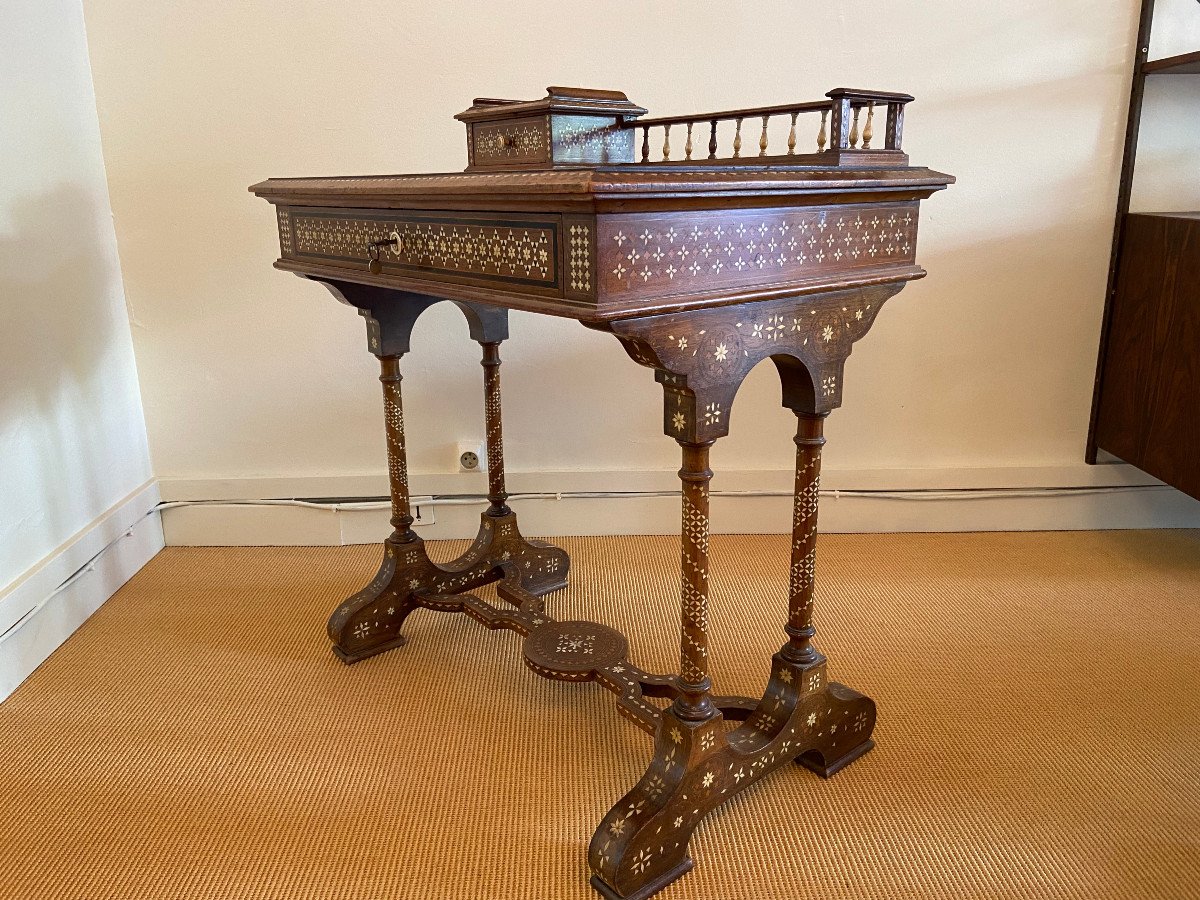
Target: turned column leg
<point x="802" y="579"/>
<point x="369" y="622"/>
<point x="695" y="700"/>
<point x="839" y="720"/>
<point x="393" y="414"/>
<point x="494" y="429"/>
<point x="543" y="568"/>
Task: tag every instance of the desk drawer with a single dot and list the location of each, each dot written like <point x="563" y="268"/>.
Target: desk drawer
<point x="489" y="249"/>
<point x="508" y="144"/>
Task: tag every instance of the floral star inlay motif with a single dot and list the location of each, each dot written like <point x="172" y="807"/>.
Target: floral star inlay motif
<point x="664" y="254"/>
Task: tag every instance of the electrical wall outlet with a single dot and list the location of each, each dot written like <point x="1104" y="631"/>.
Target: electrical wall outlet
<point x="472" y="456"/>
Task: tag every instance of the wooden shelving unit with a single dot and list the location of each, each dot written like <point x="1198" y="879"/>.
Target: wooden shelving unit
<point x="1146" y="402"/>
<point x="1184" y="64"/>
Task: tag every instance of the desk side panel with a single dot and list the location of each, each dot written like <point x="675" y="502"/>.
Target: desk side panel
<point x="646" y="258"/>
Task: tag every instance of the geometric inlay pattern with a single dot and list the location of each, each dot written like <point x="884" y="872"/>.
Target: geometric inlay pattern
<point x="580" y="139"/>
<point x="502" y="250"/>
<point x="650" y="255"/>
<point x="513" y="142"/>
<point x="579" y="257"/>
<point x="285" y="231"/>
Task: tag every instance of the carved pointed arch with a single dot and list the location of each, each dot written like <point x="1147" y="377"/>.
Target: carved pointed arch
<point x="391" y="315"/>
<point x="701" y="357"/>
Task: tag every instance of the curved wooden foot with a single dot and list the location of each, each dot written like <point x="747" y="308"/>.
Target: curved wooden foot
<point x="369" y="622"/>
<point x="848" y="720"/>
<point x="642" y="844"/>
<point x="651" y="887"/>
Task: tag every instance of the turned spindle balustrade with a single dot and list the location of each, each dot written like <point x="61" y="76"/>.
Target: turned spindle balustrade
<point x="574" y="127"/>
<point x="847" y="122"/>
<point x="701" y="269"/>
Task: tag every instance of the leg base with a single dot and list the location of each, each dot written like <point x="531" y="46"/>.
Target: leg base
<point x="544" y="579"/>
<point x="641" y="844"/>
<point x="652" y="887"/>
<point x="367" y="652"/>
<point x="369" y="623"/>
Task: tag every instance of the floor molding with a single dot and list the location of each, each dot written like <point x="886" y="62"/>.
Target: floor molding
<point x="884" y="500"/>
<point x="43" y="607"/>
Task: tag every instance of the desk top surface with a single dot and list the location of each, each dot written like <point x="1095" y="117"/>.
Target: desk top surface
<point x="769" y="180"/>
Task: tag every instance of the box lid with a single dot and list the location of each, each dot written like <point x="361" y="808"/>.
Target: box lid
<point x="567" y="100"/>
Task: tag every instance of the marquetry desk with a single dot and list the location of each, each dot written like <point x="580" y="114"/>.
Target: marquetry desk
<point x="701" y="264"/>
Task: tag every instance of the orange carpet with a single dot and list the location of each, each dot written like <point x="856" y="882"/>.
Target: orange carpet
<point x="1039" y="731"/>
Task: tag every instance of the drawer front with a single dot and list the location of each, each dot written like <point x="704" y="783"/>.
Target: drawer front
<point x="517" y="142"/>
<point x="495" y="249"/>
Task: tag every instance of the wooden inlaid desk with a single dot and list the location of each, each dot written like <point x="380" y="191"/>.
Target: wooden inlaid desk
<point x="701" y="264"/>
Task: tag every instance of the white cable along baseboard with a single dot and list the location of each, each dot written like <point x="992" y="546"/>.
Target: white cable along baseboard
<point x="45" y="605"/>
<point x="352" y="509"/>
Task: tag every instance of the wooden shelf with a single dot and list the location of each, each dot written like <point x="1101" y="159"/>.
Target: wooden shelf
<point x="1185" y="64"/>
<point x="1186" y="214"/>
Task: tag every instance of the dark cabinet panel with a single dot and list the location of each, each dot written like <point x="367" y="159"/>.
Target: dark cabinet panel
<point x="1149" y="410"/>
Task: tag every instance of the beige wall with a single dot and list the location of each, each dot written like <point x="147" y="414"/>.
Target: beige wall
<point x="249" y="372"/>
<point x="72" y="439"/>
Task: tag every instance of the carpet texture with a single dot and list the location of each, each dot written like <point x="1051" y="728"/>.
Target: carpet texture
<point x="1038" y="737"/>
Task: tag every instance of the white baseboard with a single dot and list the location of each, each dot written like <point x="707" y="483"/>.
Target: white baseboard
<point x="917" y="500"/>
<point x="38" y="613"/>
